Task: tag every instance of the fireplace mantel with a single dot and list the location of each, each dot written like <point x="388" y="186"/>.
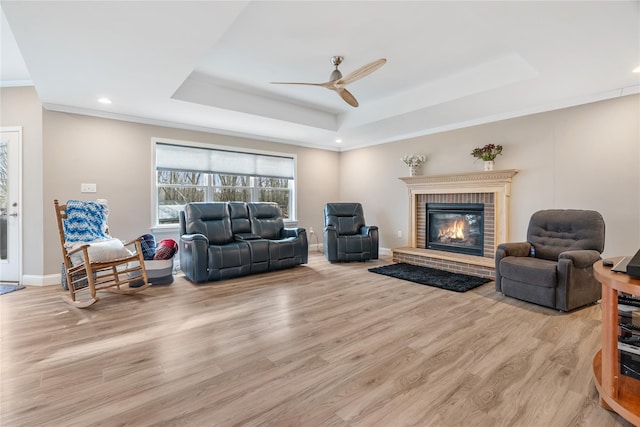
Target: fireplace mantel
<point x="462" y="182"/>
<point x="496" y="182"/>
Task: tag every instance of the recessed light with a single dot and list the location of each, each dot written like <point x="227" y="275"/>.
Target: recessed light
<point x="637" y="70"/>
<point x="104" y="100"/>
<point x="338" y="141"/>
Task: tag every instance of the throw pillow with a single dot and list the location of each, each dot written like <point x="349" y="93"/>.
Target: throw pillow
<point x="101" y="251"/>
<point x="166" y="249"/>
<point x="148" y="243"/>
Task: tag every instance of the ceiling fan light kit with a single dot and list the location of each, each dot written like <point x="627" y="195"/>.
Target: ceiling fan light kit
<point x="337" y="83"/>
<point x="336" y="74"/>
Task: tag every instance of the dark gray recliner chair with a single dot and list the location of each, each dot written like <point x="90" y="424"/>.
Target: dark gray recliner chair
<point x="554" y="268"/>
<point x="346" y="237"/>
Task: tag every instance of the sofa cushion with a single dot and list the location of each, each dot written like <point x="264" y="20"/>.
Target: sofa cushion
<point x="233" y="255"/>
<point x="281" y="249"/>
<point x="554" y="231"/>
<point x="538" y="272"/>
<point x="239" y="214"/>
<point x="347" y="218"/>
<point x="525" y="291"/>
<point x="351" y="244"/>
<point x="266" y="220"/>
<point x="210" y="219"/>
<point x="284" y="253"/>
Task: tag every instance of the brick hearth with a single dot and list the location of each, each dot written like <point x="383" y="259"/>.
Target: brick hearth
<point x="493" y="189"/>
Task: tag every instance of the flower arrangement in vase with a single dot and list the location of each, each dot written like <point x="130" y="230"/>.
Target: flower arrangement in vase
<point x="488" y="153"/>
<point x="413" y="161"/>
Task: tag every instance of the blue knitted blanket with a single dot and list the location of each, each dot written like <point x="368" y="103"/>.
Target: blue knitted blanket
<point x="86" y="221"/>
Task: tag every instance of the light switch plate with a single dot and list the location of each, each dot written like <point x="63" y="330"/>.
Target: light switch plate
<point x="88" y="188"/>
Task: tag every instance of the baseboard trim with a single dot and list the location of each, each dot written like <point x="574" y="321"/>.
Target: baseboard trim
<point x="54" y="279"/>
<point x="47" y="280"/>
<point x="319" y="248"/>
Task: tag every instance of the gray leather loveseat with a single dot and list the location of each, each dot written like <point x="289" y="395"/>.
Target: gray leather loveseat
<point x="221" y="240"/>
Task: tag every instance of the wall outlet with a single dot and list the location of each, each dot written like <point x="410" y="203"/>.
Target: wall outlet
<point x="399" y="234"/>
<point x="311" y="230"/>
<point x="88" y="188"/>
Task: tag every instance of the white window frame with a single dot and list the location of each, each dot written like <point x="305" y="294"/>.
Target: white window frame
<point x="290" y="222"/>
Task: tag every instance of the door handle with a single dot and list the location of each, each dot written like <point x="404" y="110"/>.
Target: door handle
<point x="13" y="214"/>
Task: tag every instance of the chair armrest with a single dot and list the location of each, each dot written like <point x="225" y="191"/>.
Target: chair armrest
<point x="194" y="237"/>
<point x="240" y="237"/>
<point x="577" y="284"/>
<point x="194" y="259"/>
<point x="301" y="244"/>
<point x="77" y="249"/>
<point x="581" y="258"/>
<point x="79" y="256"/>
<point x="292" y="232"/>
<point x="330" y="242"/>
<point x="519" y="249"/>
<point x="132" y="242"/>
<point x="330" y="233"/>
<point x="367" y="229"/>
<point x="372" y="232"/>
<point x="514" y="249"/>
<point x="137" y="243"/>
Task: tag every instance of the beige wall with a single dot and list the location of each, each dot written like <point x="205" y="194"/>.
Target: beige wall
<point x="585" y="157"/>
<point x="20" y="106"/>
<point x="116" y="155"/>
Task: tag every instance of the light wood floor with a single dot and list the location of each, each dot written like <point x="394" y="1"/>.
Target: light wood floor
<point x="318" y="345"/>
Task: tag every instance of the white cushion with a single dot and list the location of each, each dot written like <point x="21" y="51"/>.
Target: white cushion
<point x="101" y="251"/>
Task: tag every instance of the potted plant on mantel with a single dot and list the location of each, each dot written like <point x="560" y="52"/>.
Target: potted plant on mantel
<point x="413" y="161"/>
<point x="488" y="153"/>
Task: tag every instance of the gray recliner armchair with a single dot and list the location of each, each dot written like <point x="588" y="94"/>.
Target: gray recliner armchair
<point x="345" y="236"/>
<point x="554" y="268"/>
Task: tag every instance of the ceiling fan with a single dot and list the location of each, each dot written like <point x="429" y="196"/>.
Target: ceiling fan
<point x="337" y="83"/>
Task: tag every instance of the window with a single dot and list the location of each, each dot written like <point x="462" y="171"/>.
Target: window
<point x="186" y="173"/>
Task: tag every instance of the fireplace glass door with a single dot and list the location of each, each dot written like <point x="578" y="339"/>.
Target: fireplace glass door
<point x="456" y="227"/>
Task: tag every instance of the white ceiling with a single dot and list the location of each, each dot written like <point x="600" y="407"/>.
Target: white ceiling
<point x="207" y="65"/>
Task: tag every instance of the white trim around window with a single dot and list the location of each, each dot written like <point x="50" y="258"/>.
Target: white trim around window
<point x="267" y="164"/>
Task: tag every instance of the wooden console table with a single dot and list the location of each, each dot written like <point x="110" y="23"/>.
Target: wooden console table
<point x="619" y="393"/>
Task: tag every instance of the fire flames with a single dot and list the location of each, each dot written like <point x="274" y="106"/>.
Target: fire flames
<point x="452" y="231"/>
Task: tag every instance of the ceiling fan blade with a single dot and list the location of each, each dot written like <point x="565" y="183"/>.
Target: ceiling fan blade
<point x="328" y="85"/>
<point x="361" y="72"/>
<point x="348" y="97"/>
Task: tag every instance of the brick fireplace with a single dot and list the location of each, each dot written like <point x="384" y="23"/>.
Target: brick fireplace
<point x="491" y="190"/>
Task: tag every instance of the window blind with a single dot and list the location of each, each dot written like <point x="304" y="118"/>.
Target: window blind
<point x="198" y="159"/>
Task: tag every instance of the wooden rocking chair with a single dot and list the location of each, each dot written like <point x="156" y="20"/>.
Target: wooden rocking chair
<point x="89" y="269"/>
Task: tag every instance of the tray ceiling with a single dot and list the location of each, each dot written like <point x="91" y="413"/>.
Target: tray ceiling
<point x="207" y="65"/>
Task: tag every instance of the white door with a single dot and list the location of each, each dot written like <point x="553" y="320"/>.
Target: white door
<point x="10" y="214"/>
